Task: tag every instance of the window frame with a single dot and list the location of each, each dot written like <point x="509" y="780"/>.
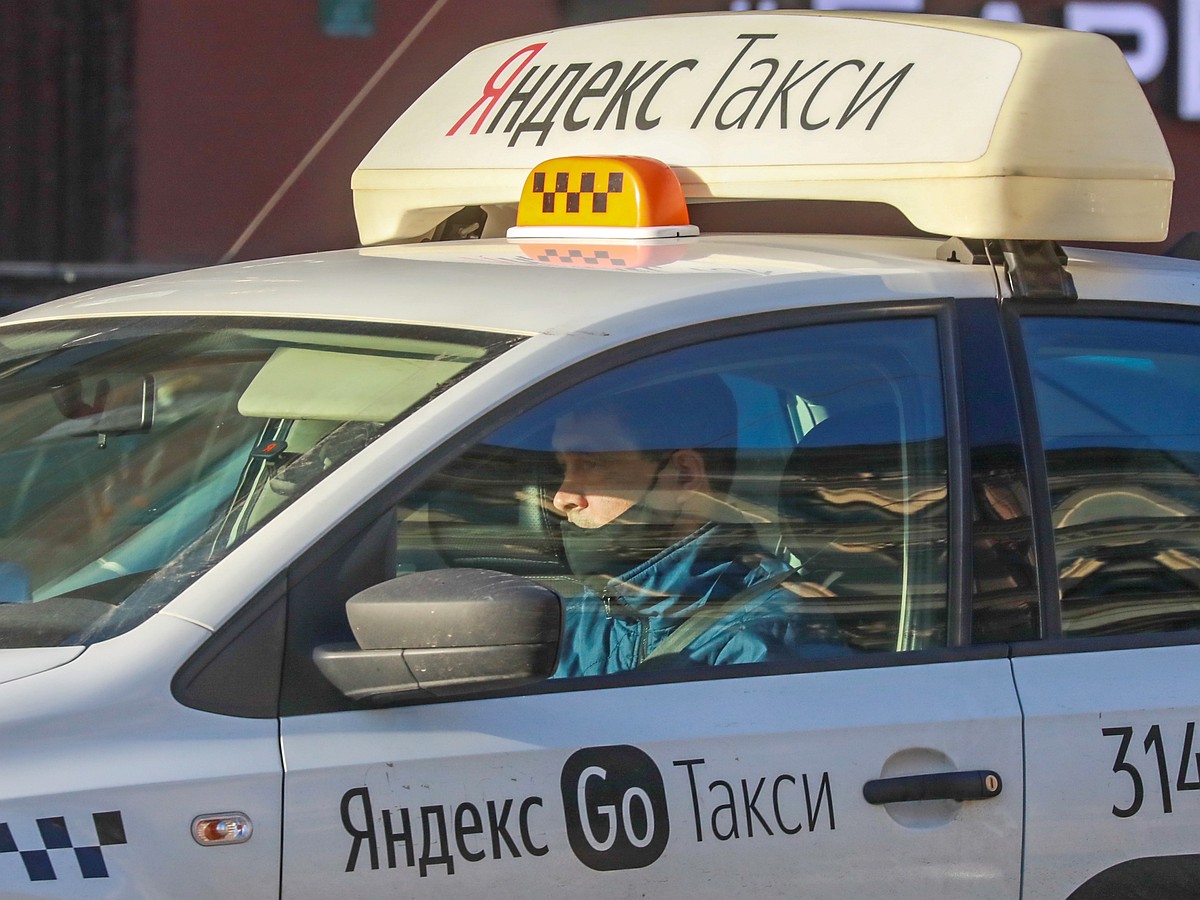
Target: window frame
<point x="959" y="593"/>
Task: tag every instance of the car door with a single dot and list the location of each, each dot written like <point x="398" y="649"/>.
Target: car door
<point x="111" y="788"/>
<point x="791" y="762"/>
<point x="1111" y="710"/>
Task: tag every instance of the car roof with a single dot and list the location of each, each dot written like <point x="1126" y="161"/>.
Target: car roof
<point x="501" y="285"/>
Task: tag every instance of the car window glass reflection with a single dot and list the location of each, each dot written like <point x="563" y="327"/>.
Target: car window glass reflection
<point x="1114" y="400"/>
<point x="762" y="498"/>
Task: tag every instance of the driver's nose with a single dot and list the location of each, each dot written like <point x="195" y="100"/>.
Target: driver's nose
<point x="565" y="499"/>
<point x="570" y="494"/>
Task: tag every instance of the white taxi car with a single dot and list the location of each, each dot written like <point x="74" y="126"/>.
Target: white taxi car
<point x="605" y="558"/>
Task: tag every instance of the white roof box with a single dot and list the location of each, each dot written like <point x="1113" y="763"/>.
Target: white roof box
<point x="971" y="128"/>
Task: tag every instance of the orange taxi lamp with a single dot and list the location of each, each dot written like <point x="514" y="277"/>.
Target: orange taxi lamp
<point x="602" y="196"/>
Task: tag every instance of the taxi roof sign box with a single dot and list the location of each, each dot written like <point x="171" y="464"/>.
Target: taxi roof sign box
<point x="971" y="128"/>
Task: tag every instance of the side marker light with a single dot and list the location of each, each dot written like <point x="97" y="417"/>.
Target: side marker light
<point x="221" y="829"/>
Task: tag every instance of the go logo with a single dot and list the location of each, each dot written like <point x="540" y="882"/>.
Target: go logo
<point x="616" y="807"/>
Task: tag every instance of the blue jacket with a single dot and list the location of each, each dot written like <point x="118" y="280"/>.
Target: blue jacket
<point x="615" y="628"/>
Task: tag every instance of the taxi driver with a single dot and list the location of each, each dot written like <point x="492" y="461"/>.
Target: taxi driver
<point x="653" y="541"/>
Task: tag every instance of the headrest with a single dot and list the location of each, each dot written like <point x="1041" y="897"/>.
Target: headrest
<point x="838" y="471"/>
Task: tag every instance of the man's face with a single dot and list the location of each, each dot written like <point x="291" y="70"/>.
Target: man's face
<point x="599" y="484"/>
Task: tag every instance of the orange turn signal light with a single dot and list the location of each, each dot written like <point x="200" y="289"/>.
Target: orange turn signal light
<point x="222" y="828"/>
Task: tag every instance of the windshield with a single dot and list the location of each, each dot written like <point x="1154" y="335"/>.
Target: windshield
<point x="126" y="445"/>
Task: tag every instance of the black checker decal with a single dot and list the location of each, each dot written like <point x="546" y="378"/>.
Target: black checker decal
<point x="574" y="200"/>
<point x="55" y="835"/>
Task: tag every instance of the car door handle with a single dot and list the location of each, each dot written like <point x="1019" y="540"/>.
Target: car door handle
<point x="979" y="784"/>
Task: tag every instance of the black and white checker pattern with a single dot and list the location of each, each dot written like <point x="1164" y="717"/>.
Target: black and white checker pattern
<point x="55" y="836"/>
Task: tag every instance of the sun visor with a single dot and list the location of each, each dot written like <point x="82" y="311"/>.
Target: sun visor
<point x="302" y="383"/>
<point x="971" y="128"/>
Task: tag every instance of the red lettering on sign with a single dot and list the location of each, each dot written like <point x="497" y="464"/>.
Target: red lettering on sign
<point x="493" y="91"/>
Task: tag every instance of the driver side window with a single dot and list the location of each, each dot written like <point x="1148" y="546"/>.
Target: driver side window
<point x="761" y="498"/>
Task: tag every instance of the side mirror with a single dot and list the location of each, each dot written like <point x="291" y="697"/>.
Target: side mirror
<point x="445" y="633"/>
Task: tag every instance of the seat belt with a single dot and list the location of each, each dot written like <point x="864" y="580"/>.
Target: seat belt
<point x="700" y="621"/>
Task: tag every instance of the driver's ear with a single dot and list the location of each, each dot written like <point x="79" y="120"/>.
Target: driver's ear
<point x="691" y="474"/>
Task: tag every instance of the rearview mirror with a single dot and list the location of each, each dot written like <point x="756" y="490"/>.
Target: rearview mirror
<point x="123" y="407"/>
<point x="445" y="633"/>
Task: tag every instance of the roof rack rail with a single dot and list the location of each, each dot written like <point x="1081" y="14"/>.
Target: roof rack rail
<point x="1036" y="270"/>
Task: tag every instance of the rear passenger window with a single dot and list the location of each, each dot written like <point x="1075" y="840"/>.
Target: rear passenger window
<point x="1118" y="403"/>
<point x="764" y="497"/>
